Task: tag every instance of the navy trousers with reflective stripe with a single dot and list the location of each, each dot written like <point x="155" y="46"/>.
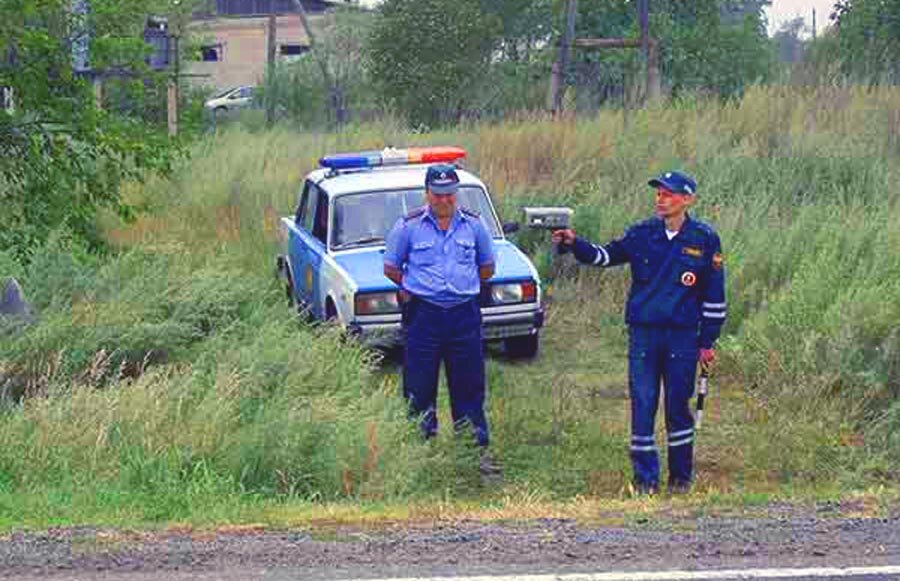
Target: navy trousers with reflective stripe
<point x="453" y="336"/>
<point x="667" y="355"/>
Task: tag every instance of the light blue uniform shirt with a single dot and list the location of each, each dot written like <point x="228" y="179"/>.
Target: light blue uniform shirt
<point x="440" y="266"/>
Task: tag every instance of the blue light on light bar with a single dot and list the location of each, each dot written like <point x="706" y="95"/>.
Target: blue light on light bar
<point x="391" y="156"/>
<point x="351" y="160"/>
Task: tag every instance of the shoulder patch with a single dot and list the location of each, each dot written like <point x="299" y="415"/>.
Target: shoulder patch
<point x="648" y="223"/>
<point x="642" y="228"/>
<point x="704" y="228"/>
<point x="718" y="260"/>
<point x="414" y="214"/>
<point x="469" y="212"/>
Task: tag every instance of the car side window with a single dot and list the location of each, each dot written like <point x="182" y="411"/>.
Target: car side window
<point x="320" y="225"/>
<point x="310" y="197"/>
<point x="302" y="204"/>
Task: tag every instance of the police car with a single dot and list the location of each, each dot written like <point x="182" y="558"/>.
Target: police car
<point x="332" y="265"/>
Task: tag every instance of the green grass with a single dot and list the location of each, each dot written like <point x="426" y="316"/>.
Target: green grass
<point x="167" y="383"/>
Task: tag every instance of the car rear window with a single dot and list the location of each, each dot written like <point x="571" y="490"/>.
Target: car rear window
<point x="366" y="218"/>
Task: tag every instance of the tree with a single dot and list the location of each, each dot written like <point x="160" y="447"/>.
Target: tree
<point x="299" y="89"/>
<point x="868" y="38"/>
<point x="62" y="159"/>
<point x="788" y="44"/>
<point x="734" y="12"/>
<point x="524" y="25"/>
<point x="429" y="57"/>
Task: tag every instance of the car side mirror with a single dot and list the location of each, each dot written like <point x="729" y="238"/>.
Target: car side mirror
<point x="510" y="227"/>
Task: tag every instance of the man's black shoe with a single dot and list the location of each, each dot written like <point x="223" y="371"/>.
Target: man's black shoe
<point x="645" y="489"/>
<point x="489" y="468"/>
<point x="679" y="487"/>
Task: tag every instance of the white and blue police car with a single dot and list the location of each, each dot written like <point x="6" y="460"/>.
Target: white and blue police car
<point x="332" y="264"/>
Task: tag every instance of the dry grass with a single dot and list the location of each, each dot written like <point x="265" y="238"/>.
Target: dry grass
<point x="264" y="420"/>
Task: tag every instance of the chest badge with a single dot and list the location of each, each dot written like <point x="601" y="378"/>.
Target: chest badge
<point x="688" y="278"/>
<point x="692" y="251"/>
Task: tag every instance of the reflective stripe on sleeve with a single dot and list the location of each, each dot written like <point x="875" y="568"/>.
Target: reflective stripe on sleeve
<point x="602" y="258"/>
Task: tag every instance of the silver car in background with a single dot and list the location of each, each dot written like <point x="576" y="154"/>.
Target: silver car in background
<point x="230" y="99"/>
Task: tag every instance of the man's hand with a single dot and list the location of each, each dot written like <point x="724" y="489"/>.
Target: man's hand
<point x="707" y="356"/>
<point x="394" y="274"/>
<point x="565" y="237"/>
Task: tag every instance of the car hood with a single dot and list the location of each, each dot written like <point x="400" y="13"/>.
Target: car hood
<point x="366" y="267"/>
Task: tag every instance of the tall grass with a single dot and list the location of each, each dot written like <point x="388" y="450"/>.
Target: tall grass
<point x="169" y="382"/>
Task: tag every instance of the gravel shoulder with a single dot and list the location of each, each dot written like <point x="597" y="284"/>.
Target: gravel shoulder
<point x="785" y="537"/>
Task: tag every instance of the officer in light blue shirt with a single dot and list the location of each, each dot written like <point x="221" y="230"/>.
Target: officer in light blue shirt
<point x="439" y="255"/>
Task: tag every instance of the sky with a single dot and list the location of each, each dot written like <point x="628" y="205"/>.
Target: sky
<point x="784" y="10"/>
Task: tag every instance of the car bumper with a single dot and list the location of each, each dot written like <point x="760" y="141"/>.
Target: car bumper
<point x="497" y="323"/>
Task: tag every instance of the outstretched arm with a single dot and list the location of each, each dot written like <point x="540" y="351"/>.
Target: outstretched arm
<point x="612" y="254"/>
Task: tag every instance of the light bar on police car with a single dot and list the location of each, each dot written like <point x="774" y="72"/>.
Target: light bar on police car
<point x="391" y="156"/>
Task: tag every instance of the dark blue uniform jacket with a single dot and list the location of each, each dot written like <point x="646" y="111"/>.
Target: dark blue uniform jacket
<point x="674" y="283"/>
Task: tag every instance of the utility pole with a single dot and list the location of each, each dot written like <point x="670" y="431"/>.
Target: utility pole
<point x="814" y="23"/>
<point x="97" y="83"/>
<point x="561" y="64"/>
<point x="270" y="69"/>
<point x="644" y="22"/>
<point x="172" y="93"/>
<point x="648" y="51"/>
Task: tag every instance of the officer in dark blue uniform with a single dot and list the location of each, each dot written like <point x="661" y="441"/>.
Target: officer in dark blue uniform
<point x="439" y="255"/>
<point x="675" y="311"/>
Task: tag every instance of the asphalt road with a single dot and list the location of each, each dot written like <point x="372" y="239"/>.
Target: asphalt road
<point x="789" y="547"/>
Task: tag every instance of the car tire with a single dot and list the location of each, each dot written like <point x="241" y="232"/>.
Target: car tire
<point x="524" y="347"/>
<point x="291" y="296"/>
<point x="219" y="111"/>
<point x="330" y="311"/>
<point x="295" y="306"/>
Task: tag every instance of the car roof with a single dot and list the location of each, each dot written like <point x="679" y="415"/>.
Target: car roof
<point x="380" y="178"/>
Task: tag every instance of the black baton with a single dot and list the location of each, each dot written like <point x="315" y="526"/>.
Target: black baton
<point x="702" y="390"/>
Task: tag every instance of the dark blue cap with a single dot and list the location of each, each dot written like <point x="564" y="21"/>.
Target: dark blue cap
<point x="676" y="182"/>
<point x="442" y="179"/>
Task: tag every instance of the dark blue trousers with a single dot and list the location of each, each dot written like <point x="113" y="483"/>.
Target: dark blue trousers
<point x="667" y="355"/>
<point x="453" y="336"/>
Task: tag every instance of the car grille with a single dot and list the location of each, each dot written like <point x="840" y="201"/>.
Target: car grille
<point x="504" y="331"/>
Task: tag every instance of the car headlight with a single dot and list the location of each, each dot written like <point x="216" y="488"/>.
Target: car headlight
<point x="382" y="303"/>
<point x="513" y="292"/>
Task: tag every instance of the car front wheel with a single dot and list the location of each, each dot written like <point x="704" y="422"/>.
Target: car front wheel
<point x="524" y="347"/>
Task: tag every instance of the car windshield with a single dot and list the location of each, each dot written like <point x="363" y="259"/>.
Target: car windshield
<point x="363" y="219"/>
<point x="223" y="93"/>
